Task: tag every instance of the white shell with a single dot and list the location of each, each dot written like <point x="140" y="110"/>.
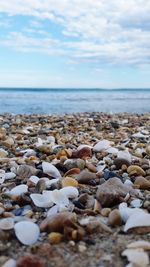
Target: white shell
<point x="9" y="175"/>
<point x="138" y="135"/>
<point x="51" y="170"/>
<point x="41" y="200"/>
<point x="6" y="224"/>
<point x="101" y="145"/>
<point x="137" y="219"/>
<point x="126" y="212"/>
<point x="70" y="191"/>
<point x="140" y="244"/>
<point x="19" y="189"/>
<point x="137" y="257"/>
<point x="2" y="176"/>
<point x="28" y="152"/>
<point x="59" y="198"/>
<point x="53" y="210"/>
<point x="112" y="150"/>
<point x="34" y="179"/>
<point x="136" y="203"/>
<point x="27" y="232"/>
<point x="10" y="263"/>
<point x="124" y="155"/>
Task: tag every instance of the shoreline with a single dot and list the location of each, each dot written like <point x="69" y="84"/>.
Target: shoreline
<point x="105" y="158"/>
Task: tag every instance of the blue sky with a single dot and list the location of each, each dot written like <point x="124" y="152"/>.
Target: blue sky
<point x="75" y="43"/>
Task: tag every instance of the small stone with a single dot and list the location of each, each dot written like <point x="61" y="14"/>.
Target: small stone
<point x="135" y="170"/>
<point x="82" y="248"/>
<point x="105" y="212"/>
<point x="142" y="183"/>
<point x="3" y="153"/>
<point x="68" y="181"/>
<point x="118" y="162"/>
<point x="84" y="153"/>
<point x="55" y="237"/>
<point x="30" y="261"/>
<point x="114" y="218"/>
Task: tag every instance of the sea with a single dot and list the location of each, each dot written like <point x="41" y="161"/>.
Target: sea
<point x="64" y="100"/>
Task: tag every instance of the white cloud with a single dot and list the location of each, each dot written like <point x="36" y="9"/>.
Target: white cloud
<point x="115" y="31"/>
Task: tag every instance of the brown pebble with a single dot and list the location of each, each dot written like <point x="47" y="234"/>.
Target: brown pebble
<point x="30" y="261"/>
<point x="142" y="183"/>
<point x="55" y="237"/>
<point x="105" y="212"/>
<point x="114" y="218"/>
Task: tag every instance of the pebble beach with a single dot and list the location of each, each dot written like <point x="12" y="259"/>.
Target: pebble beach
<point x="75" y="190"/>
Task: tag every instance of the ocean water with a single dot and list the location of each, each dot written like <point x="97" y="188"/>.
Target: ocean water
<point x="60" y="101"/>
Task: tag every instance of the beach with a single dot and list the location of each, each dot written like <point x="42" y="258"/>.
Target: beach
<point x="75" y="189"/>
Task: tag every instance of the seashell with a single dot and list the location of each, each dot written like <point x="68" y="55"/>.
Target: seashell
<point x="139" y="135"/>
<point x="56" y="223"/>
<point x="140" y="244"/>
<point x="70" y="191"/>
<point x="9" y="263"/>
<point x="136" y="220"/>
<point x="59" y="198"/>
<point x="9" y="175"/>
<point x="126" y="212"/>
<point x="27" y="232"/>
<point x="55" y="237"/>
<point x="3" y="153"/>
<point x="19" y="190"/>
<point x="137" y="257"/>
<point x="134" y="169"/>
<point x="2" y="176"/>
<point x="136" y="203"/>
<point x="112" y="150"/>
<point x="124" y="155"/>
<point x="28" y="152"/>
<point x="101" y="145"/>
<point x="53" y="210"/>
<point x="34" y="179"/>
<point x="41" y="200"/>
<point x="6" y="224"/>
<point x="68" y="181"/>
<point x="50" y="170"/>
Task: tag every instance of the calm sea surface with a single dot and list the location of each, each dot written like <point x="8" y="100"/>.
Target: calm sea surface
<point x="50" y="101"/>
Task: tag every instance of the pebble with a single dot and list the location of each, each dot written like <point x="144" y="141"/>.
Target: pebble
<point x="135" y="170"/>
<point x="55" y="237"/>
<point x="114" y="218"/>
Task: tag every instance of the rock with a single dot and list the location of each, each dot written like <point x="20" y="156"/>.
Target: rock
<point x="30" y="261"/>
<point x="86" y="177"/>
<point x="68" y="181"/>
<point x="112" y="192"/>
<point x="25" y="172"/>
<point x="118" y="162"/>
<point x="105" y="212"/>
<point x="135" y="170"/>
<point x="142" y="183"/>
<point x="3" y="153"/>
<point x="56" y="223"/>
<point x="55" y="237"/>
<point x="114" y="218"/>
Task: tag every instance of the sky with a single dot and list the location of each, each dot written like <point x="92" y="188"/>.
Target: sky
<point x="75" y="43"/>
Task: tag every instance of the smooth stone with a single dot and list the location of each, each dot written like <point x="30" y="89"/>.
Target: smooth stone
<point x="25" y="172"/>
<point x="142" y="183"/>
<point x="134" y="169"/>
<point x="56" y="222"/>
<point x="85" y="177"/>
<point x="105" y="212"/>
<point x="114" y="218"/>
<point x="112" y="192"/>
<point x="118" y="162"/>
